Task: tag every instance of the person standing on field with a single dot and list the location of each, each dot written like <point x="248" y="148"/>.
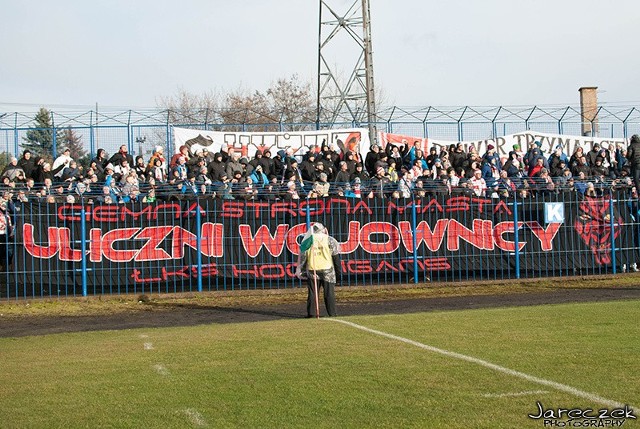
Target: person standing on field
<point x="318" y="264"/>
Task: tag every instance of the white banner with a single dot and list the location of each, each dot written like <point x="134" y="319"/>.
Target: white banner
<point x="247" y="143"/>
<point x="505" y="144"/>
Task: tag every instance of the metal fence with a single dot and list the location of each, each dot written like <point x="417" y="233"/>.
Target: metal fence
<point x="204" y="244"/>
<point x="142" y="130"/>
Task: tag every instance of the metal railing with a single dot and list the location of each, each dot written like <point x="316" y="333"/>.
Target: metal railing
<point x="200" y="243"/>
<point x="142" y="130"/>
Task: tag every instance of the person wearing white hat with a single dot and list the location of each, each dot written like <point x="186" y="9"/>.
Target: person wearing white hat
<point x="318" y="262"/>
<point x="478" y="184"/>
<point x="158" y="153"/>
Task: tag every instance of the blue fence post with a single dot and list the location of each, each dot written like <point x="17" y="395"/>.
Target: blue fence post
<point x="414" y="222"/>
<point x="515" y="233"/>
<point x="613" y="235"/>
<point x="198" y="244"/>
<point x="83" y="247"/>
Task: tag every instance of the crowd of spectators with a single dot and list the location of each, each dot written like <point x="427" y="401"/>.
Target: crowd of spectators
<point x="398" y="171"/>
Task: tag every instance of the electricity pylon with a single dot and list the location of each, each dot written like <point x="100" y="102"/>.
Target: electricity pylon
<point x="344" y="38"/>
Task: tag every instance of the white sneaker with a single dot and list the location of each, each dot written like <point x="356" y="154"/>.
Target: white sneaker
<point x="624" y="268"/>
<point x="634" y="267"/>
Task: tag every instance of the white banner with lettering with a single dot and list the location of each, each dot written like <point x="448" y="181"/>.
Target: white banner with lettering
<point x="247" y="143"/>
<point x="505" y="144"/>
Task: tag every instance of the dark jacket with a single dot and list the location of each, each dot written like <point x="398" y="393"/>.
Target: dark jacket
<point x="633" y="153"/>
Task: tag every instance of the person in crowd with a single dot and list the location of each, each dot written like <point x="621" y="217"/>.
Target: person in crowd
<point x="217" y="168"/>
<point x="267" y="164"/>
<point x="190" y="186"/>
<point x="492" y="156"/>
<point x="157" y="172"/>
<point x="581" y="166"/>
<point x="557" y="167"/>
<point x="6" y="236"/>
<point x="478" y="184"/>
<point x="180" y="172"/>
<point x="533" y="154"/>
<point x="321" y="187"/>
<point x="292" y="172"/>
<point x="458" y="156"/>
<point x="506" y="188"/>
<point x="203" y="179"/>
<point x="12" y="169"/>
<point x="141" y="168"/>
<point x="120" y="156"/>
<point x="392" y="172"/>
<point x="599" y="170"/>
<point x="196" y="162"/>
<point x="72" y="172"/>
<point x="453" y="180"/>
<point x="150" y="196"/>
<point x="370" y="160"/>
<point x="534" y="169"/>
<point x="27" y="163"/>
<point x="633" y="156"/>
<point x="158" y="153"/>
<point x="352" y="159"/>
<point x="121" y="171"/>
<point x="343" y="175"/>
<point x="42" y="171"/>
<point x="259" y="179"/>
<point x="278" y="165"/>
<point x="621" y="165"/>
<point x="593" y="154"/>
<point x="326" y="159"/>
<point x="108" y="196"/>
<point x="379" y="183"/>
<point x="360" y="173"/>
<point x="291" y="194"/>
<point x="577" y="154"/>
<point x="60" y="163"/>
<point x="100" y="162"/>
<point x="182" y="151"/>
<point x="405" y="184"/>
<point x="308" y="166"/>
<point x="444" y="159"/>
<point x="396" y="153"/>
<point x="234" y="165"/>
<point x="257" y="157"/>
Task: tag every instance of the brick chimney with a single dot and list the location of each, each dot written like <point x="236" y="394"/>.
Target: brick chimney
<point x="589" y="110"/>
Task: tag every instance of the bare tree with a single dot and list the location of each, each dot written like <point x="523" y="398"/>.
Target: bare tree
<point x="186" y="108"/>
<point x="293" y="100"/>
<point x="286" y="101"/>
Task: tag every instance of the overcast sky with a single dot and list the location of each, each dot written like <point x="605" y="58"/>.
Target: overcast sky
<point x="126" y="53"/>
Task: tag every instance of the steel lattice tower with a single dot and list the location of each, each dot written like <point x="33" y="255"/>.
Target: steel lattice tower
<point x="344" y="38"/>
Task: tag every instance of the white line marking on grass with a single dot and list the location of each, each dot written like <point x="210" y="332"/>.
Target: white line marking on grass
<point x="143" y="336"/>
<point x="514" y="394"/>
<point x="148" y="346"/>
<point x="161" y="369"/>
<point x="558" y="386"/>
<point x="195" y="417"/>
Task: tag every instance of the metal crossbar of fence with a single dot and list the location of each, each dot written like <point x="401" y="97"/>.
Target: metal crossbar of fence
<point x="206" y="244"/>
<point x="142" y="130"/>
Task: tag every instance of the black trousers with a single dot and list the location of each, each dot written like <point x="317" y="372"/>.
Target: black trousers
<point x="6" y="251"/>
<point x="329" y="297"/>
<point x="635" y="171"/>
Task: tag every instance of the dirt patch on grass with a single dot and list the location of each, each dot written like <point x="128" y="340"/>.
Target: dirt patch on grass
<point x="41" y="317"/>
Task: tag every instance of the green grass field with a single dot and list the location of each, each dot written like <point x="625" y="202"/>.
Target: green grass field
<point x="326" y="374"/>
